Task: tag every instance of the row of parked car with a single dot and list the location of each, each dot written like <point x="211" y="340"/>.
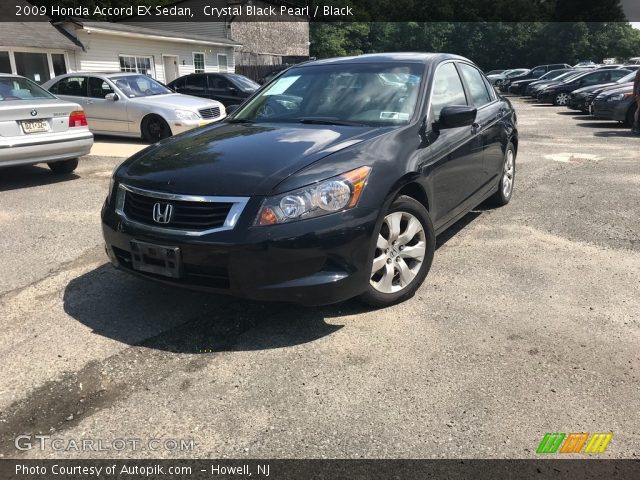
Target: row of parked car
<point x="55" y="122"/>
<point x="604" y="91"/>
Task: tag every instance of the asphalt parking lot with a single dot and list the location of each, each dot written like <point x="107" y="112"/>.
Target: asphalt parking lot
<point x="528" y="323"/>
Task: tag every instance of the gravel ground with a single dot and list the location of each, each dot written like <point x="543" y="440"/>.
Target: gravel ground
<point x="528" y="323"/>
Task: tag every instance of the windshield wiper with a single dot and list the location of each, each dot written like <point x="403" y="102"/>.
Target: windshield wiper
<point x="330" y="121"/>
<point x="240" y="120"/>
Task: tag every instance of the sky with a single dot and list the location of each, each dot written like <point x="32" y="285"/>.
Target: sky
<point x="636" y="25"/>
<point x="632" y="10"/>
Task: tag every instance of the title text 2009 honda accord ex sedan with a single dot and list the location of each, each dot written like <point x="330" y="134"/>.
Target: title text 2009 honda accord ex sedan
<point x="330" y="182"/>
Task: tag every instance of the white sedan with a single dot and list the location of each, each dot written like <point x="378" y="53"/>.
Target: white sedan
<point x="37" y="127"/>
<point x="134" y="105"/>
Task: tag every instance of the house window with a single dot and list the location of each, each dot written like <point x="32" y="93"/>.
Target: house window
<point x="5" y="63"/>
<point x="198" y="62"/>
<point x="34" y="66"/>
<point x="222" y="62"/>
<point x="135" y="64"/>
<point x="59" y="64"/>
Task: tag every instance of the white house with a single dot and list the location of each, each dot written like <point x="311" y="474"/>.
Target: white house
<point x="36" y="50"/>
<point x="165" y="55"/>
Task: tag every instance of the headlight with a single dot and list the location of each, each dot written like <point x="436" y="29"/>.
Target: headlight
<point x="619" y="97"/>
<point x="187" y="115"/>
<point x="329" y="196"/>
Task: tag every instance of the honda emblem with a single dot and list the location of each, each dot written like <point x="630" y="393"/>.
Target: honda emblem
<point x="162" y="212"/>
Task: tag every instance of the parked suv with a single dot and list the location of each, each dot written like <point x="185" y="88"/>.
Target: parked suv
<point x="331" y="182"/>
<point x="227" y="88"/>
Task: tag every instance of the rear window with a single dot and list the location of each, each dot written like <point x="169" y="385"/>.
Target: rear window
<point x="16" y="88"/>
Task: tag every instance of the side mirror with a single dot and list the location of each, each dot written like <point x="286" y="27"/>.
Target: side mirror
<point x="455" y="116"/>
<point x="112" y="96"/>
<point x="232" y="108"/>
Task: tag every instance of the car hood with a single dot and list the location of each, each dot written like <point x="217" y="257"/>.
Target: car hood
<point x="236" y="159"/>
<point x="593" y="88"/>
<point x="624" y="88"/>
<point x="177" y="101"/>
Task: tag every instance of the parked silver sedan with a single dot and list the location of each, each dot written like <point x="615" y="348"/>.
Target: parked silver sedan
<point x="36" y="127"/>
<point x="134" y="105"/>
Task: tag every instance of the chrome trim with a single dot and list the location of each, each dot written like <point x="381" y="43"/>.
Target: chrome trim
<point x="230" y="222"/>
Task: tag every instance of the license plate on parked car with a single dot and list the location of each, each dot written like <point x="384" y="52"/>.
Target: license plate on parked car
<point x="35" y="126"/>
<point x="158" y="259"/>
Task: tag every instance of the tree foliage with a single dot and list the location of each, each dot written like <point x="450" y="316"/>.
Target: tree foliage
<point x="489" y="44"/>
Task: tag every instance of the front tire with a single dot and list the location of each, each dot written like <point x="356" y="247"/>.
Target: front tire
<point x="403" y="253"/>
<point x="561" y="99"/>
<point x="63" y="166"/>
<point x="505" y="188"/>
<point x="155" y="128"/>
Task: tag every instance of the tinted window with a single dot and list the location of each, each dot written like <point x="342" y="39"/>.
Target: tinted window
<point x="217" y="82"/>
<point x="477" y="88"/>
<point x="99" y="88"/>
<point x="5" y="63"/>
<point x="447" y="89"/>
<point x="538" y="72"/>
<point x="72" y="86"/>
<point x="196" y="82"/>
<point x="139" y="86"/>
<point x="618" y="74"/>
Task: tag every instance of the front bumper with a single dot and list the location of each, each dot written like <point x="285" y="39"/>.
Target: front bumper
<point x="181" y="126"/>
<point x="577" y="103"/>
<point x="546" y="97"/>
<point x="311" y="262"/>
<point x="43" y="148"/>
<point x="611" y="110"/>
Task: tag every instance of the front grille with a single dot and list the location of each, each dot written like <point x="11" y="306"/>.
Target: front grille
<point x="208" y="113"/>
<point x="187" y="215"/>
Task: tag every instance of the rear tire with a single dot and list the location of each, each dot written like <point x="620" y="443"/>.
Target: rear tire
<point x="155" y="128"/>
<point x="507" y="179"/>
<point x="402" y="255"/>
<point x="63" y="166"/>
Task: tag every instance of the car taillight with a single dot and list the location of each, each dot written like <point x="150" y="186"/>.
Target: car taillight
<point x="77" y="119"/>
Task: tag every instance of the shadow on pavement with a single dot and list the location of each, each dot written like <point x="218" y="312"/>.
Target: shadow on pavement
<point x="25" y="176"/>
<point x="622" y="133"/>
<point x="603" y="124"/>
<point x="143" y="313"/>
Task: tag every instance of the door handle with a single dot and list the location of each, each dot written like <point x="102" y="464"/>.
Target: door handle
<point x="90" y="101"/>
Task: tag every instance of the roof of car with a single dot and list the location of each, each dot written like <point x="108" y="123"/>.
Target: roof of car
<point x="414" y="57"/>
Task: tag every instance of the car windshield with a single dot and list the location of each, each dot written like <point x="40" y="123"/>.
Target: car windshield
<point x="553" y="74"/>
<point x="243" y="83"/>
<point x="17" y="88"/>
<point x="139" y="86"/>
<point x="344" y="94"/>
<point x="517" y="72"/>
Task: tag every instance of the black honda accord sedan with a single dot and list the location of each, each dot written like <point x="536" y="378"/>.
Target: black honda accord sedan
<point x="331" y="182"/>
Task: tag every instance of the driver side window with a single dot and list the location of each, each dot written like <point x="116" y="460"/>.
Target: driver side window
<point x="447" y="89"/>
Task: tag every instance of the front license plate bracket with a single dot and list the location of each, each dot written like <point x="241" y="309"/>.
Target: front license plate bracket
<point x="157" y="259"/>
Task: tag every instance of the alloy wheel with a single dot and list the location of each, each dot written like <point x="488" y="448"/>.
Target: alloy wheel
<point x="507" y="174"/>
<point x="400" y="252"/>
<point x="562" y="99"/>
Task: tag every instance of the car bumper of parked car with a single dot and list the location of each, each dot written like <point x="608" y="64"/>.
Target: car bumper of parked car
<point x="545" y="97"/>
<point x="611" y="110"/>
<point x="311" y="262"/>
<point x="181" y="126"/>
<point x="577" y="103"/>
<point x="40" y="148"/>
